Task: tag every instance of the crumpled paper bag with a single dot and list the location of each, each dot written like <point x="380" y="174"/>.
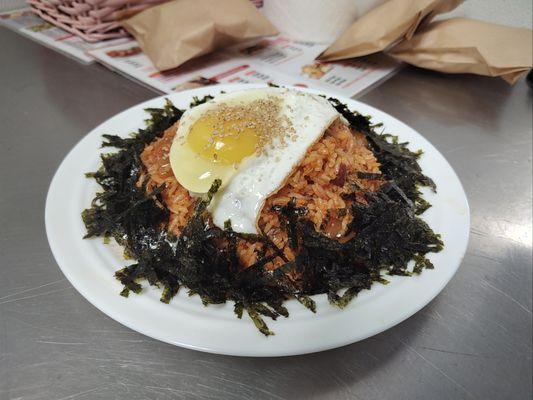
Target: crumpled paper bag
<point x="175" y="32"/>
<point x="385" y="25"/>
<point x="404" y="29"/>
<point x="464" y="45"/>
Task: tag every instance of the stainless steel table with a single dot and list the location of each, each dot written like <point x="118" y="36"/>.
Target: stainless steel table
<point x="472" y="342"/>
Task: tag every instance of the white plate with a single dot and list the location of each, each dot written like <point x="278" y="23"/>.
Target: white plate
<point x="89" y="264"/>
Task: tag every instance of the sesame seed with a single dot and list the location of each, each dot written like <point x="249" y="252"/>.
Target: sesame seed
<point x="263" y="116"/>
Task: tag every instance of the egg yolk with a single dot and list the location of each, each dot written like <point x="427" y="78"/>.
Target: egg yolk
<point x="223" y="142"/>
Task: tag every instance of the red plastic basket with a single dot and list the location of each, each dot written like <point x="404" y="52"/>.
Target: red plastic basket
<point x="92" y="20"/>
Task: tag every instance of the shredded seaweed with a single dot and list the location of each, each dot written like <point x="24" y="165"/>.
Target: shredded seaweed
<point x="388" y="234"/>
<point x="398" y="163"/>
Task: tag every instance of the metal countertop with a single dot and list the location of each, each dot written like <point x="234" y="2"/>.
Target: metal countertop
<point x="472" y="342"/>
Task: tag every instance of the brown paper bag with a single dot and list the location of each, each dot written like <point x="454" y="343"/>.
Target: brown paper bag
<point x="175" y="32"/>
<point x="385" y="25"/>
<point x="463" y="45"/>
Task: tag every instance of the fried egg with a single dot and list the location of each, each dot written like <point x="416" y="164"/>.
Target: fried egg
<point x="251" y="140"/>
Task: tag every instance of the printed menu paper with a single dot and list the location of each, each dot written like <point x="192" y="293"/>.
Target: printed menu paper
<point x="278" y="61"/>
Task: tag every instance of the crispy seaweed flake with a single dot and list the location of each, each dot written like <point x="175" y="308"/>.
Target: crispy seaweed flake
<point x="290" y="214"/>
<point x="387" y="233"/>
<point x="308" y="302"/>
<point x="259" y="322"/>
<point x="369" y="175"/>
<point x="196" y="101"/>
<point x="398" y="163"/>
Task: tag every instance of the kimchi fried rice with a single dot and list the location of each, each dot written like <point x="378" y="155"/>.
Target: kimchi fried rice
<point x="320" y="183"/>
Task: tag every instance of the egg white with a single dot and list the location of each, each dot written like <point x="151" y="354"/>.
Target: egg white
<point x="242" y="198"/>
<point x="245" y="187"/>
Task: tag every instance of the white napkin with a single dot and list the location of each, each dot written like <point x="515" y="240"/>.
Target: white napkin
<point x="319" y="21"/>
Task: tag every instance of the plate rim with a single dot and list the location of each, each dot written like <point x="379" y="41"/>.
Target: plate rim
<point x="58" y="256"/>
